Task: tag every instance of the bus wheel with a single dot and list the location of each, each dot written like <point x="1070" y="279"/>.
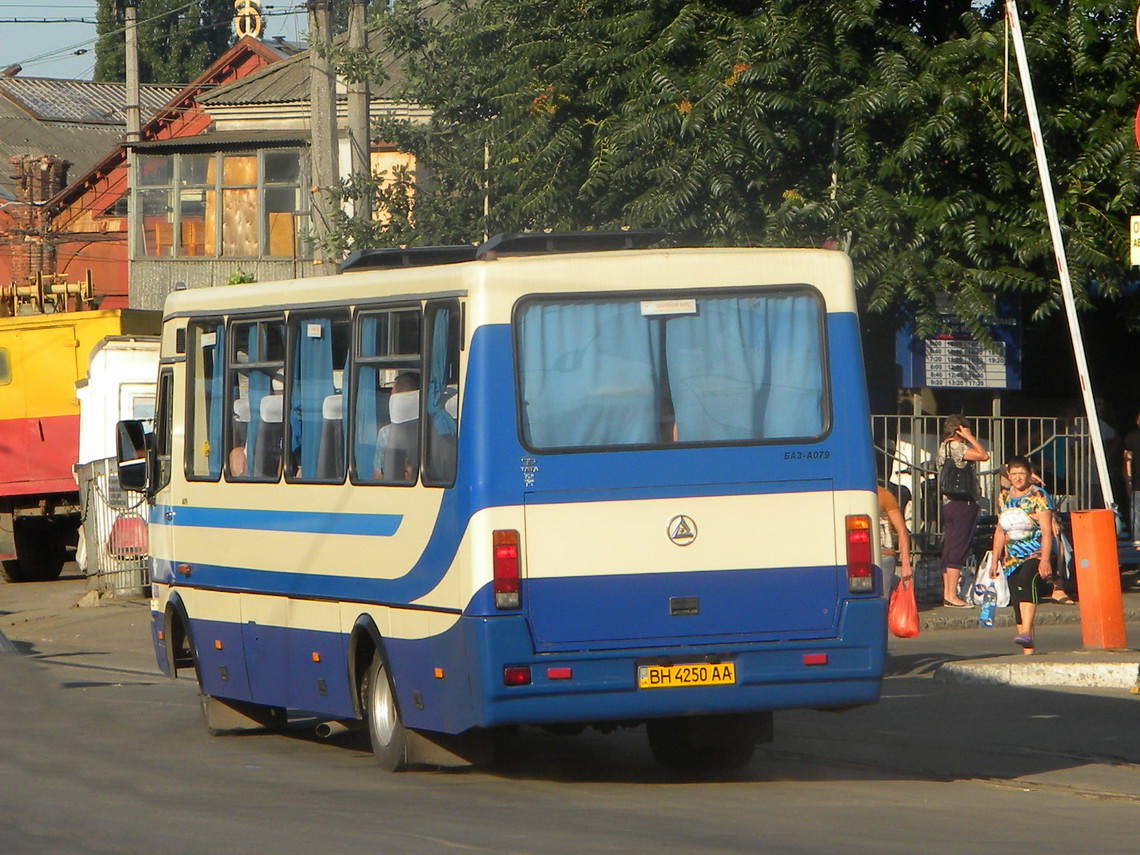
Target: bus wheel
<point x="705" y="743"/>
<point x="387" y="733"/>
<point x="41" y="548"/>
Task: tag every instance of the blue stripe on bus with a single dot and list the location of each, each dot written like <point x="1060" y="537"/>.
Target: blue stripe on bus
<point x="305" y="522"/>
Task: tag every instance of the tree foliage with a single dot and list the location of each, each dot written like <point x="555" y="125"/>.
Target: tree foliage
<point x="876" y="125"/>
<point x="177" y="39"/>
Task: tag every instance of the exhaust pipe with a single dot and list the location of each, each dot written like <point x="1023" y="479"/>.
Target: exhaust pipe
<point x="334" y="728"/>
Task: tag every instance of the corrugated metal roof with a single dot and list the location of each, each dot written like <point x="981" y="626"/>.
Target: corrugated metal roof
<point x="82" y="101"/>
<point x="78" y="120"/>
<point x="83" y="146"/>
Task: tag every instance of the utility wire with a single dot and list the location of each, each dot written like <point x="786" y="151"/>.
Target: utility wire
<point x="69" y="48"/>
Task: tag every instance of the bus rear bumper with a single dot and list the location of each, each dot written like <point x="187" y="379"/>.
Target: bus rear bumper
<point x="589" y="687"/>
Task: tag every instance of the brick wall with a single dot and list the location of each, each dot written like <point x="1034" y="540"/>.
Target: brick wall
<point x="37" y="178"/>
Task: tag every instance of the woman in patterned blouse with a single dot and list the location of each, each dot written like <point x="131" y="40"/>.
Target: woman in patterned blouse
<point x="1023" y="546"/>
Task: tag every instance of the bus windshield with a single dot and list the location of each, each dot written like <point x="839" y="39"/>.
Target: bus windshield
<point x="630" y="371"/>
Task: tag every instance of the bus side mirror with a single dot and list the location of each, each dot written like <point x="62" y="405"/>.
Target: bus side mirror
<point x="131" y="452"/>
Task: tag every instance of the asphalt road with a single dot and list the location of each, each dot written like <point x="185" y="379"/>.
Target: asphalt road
<point x="99" y="754"/>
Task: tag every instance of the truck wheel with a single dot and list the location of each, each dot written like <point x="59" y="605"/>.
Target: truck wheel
<point x="41" y="547"/>
<point x="10" y="569"/>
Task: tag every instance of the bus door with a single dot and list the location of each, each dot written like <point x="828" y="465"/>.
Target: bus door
<point x="215" y="616"/>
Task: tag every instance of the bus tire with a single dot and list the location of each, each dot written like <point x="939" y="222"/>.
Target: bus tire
<point x="386" y="731"/>
<point x="717" y="743"/>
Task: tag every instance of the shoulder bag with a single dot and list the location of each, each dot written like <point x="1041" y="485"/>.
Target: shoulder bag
<point x="957" y="482"/>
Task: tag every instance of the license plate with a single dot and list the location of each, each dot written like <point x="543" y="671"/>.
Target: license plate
<point x="690" y="674"/>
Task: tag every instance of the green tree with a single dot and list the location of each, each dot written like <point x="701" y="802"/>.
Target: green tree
<point x="937" y="183"/>
<point x="877" y="126"/>
<point x="177" y="40"/>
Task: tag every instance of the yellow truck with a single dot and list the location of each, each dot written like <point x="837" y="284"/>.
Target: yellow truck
<point x="42" y="356"/>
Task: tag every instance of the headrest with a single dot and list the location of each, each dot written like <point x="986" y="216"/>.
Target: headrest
<point x="404" y="406"/>
<point x="271" y="408"/>
<point x="332" y="408"/>
<point x="241" y="410"/>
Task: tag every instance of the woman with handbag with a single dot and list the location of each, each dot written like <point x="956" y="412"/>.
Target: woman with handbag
<point x="1023" y="546"/>
<point x="958" y="483"/>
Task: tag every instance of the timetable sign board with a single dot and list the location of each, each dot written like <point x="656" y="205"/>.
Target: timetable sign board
<point x="956" y="360"/>
<point x="965" y="363"/>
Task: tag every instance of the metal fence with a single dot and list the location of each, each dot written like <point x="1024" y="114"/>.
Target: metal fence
<point x="907" y="450"/>
<point x="115" y="555"/>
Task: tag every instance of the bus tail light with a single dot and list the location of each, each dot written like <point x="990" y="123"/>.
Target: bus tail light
<point x="516" y="675"/>
<point x="860" y="578"/>
<point x="506" y="568"/>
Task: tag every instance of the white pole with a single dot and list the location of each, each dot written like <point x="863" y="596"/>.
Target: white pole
<point x="1059" y="253"/>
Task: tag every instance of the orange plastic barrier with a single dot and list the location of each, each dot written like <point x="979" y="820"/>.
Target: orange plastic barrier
<point x="1098" y="579"/>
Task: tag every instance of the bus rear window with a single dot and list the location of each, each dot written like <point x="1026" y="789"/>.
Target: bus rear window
<point x="644" y="371"/>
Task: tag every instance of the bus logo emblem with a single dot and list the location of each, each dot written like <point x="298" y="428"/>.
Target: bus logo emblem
<point x="682" y="530"/>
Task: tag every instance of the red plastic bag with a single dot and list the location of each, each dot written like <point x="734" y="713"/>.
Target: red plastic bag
<point x="902" y="613"/>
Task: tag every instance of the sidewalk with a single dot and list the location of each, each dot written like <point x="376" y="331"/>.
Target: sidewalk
<point x="1078" y="668"/>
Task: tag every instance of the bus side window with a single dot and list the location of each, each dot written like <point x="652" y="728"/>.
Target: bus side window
<point x="386" y="393"/>
<point x="257" y="394"/>
<point x="163" y="429"/>
<point x="205" y="411"/>
<point x="316" y="411"/>
<point x="441" y="393"/>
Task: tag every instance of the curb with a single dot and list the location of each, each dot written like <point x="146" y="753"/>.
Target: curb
<point x="1050" y="615"/>
<point x="1003" y="672"/>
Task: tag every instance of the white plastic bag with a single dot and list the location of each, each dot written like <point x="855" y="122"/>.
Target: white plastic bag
<point x="982" y="581"/>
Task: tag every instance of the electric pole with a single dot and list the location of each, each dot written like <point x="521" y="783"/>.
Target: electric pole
<point x="134" y="123"/>
<point x="359" y="132"/>
<point x="322" y="122"/>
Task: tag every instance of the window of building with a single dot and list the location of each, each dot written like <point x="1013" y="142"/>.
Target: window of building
<point x="317" y="414"/>
<point x="221" y="204"/>
<point x="386" y="390"/>
<point x="5" y="367"/>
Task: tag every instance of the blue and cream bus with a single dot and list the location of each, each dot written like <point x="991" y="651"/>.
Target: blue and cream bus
<point x="557" y="479"/>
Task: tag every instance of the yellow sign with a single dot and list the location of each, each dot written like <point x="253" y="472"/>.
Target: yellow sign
<point x="1134" y="240"/>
